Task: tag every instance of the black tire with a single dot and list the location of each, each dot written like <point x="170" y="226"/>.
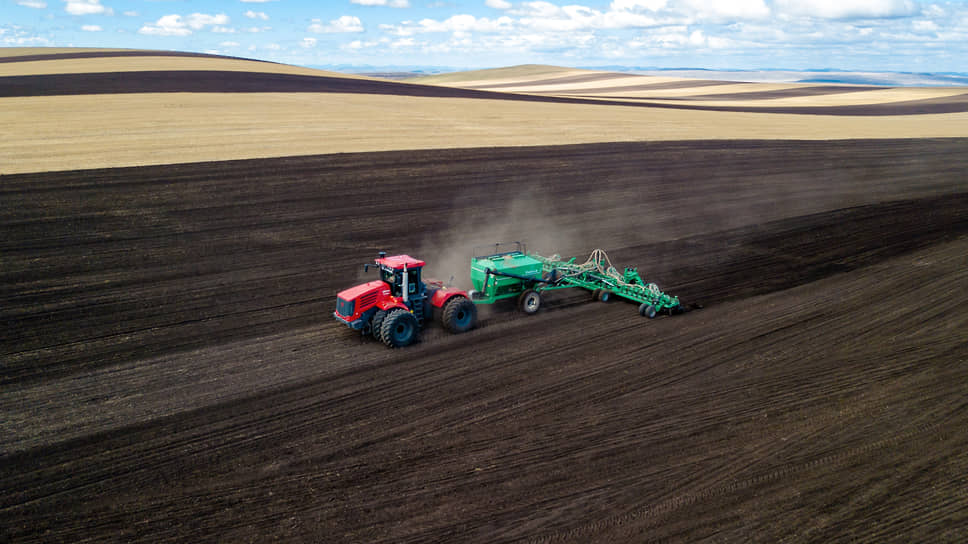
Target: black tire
<point x="376" y="324"/>
<point x="529" y="302"/>
<point x="647" y="310"/>
<point x="459" y="315"/>
<point x="596" y="294"/>
<point x="604" y="296"/>
<point x="399" y="328"/>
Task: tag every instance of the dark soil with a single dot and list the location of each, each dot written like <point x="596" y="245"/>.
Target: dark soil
<point x="172" y="371"/>
<point x="209" y="81"/>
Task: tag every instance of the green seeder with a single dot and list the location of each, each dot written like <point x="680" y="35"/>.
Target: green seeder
<point x="504" y="273"/>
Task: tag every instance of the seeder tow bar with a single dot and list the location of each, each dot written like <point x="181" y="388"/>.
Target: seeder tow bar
<point x="516" y="273"/>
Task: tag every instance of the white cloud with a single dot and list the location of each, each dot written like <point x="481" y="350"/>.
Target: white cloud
<point x="229" y="44"/>
<point x="727" y="10"/>
<point x="86" y="7"/>
<point x="167" y="25"/>
<point x="388" y="3"/>
<point x="498" y="4"/>
<point x="846" y="9"/>
<point x="197" y="21"/>
<point x="308" y="43"/>
<point x="464" y="24"/>
<point x="91" y="28"/>
<point x="176" y="25"/>
<point x="548" y="17"/>
<point x="343" y="24"/>
<point x="130" y="14"/>
<point x="257" y="15"/>
<point x="357" y="45"/>
<point x="21" y="38"/>
<point x="637" y="5"/>
<point x="36" y="4"/>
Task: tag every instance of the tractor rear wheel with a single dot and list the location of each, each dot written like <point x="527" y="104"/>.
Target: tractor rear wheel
<point x="647" y="310"/>
<point x="376" y="324"/>
<point x="399" y="328"/>
<point x="529" y="301"/>
<point x="459" y="315"/>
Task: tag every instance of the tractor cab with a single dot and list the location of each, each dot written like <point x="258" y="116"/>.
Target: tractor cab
<point x="395" y="307"/>
<point x="402" y="274"/>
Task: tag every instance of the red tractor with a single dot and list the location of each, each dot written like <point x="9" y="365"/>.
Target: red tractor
<point x="395" y="307"/>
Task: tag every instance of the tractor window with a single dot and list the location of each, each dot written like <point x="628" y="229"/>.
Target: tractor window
<point x="395" y="278"/>
<point x="413" y="280"/>
<point x="392" y="278"/>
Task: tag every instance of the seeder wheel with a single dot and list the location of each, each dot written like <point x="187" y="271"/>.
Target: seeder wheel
<point x="529" y="301"/>
<point x="647" y="310"/>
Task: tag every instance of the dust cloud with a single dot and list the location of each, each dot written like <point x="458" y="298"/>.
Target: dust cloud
<point x="528" y="218"/>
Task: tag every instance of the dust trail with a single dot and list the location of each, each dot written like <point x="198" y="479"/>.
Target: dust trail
<point x="528" y="217"/>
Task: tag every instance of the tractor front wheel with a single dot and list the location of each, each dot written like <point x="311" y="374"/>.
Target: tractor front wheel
<point x="459" y="315"/>
<point x="399" y="328"/>
<point x="529" y="301"/>
<point x="376" y="324"/>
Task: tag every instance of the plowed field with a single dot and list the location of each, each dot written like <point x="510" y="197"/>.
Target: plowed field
<point x="172" y="371"/>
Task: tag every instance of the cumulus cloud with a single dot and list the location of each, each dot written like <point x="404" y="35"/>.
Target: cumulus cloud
<point x="14" y="37"/>
<point x="36" y="4"/>
<point x="727" y="10"/>
<point x="680" y="11"/>
<point x="340" y="25"/>
<point x="456" y="23"/>
<point x="91" y="28"/>
<point x="257" y="15"/>
<point x="637" y="5"/>
<point x="308" y="43"/>
<point x="498" y="4"/>
<point x="388" y="3"/>
<point x="176" y="25"/>
<point x="847" y="9"/>
<point x="86" y="7"/>
<point x="545" y="16"/>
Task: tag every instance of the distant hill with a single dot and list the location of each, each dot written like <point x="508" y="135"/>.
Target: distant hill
<point x="67" y="109"/>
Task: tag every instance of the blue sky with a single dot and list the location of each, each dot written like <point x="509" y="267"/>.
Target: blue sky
<point x="864" y="35"/>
